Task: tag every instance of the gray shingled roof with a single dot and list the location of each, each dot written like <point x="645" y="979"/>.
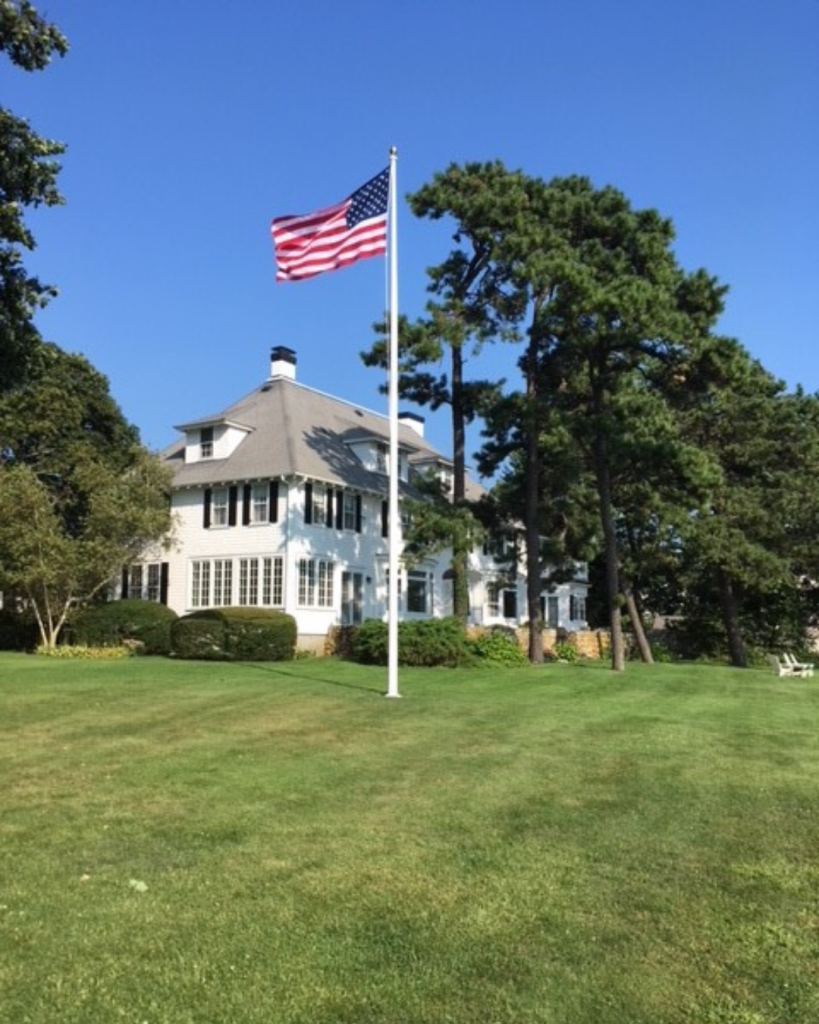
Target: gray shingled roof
<point x="294" y="430"/>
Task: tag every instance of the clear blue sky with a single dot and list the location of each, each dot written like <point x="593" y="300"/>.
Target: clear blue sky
<point x="191" y="124"/>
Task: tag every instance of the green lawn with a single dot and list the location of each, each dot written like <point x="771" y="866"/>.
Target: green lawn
<point x="187" y="843"/>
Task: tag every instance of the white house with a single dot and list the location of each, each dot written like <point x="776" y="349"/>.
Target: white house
<point x="281" y="502"/>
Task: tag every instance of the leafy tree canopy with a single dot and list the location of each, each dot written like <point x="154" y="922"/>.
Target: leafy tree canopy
<point x="79" y="496"/>
<point x="28" y="178"/>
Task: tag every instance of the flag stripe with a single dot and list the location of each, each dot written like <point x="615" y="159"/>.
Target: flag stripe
<point x="335" y="237"/>
<point x="332" y="241"/>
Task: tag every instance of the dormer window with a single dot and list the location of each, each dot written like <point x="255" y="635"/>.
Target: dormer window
<point x="381" y="458"/>
<point x="206" y="443"/>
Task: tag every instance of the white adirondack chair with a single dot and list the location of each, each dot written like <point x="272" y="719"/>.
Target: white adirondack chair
<point x="800" y="668"/>
<point x="781" y="668"/>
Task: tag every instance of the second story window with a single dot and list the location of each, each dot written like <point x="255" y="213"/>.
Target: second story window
<point x="259" y="507"/>
<point x="219" y="506"/>
<point x="206" y="443"/>
<point x="319" y="505"/>
<point x="381" y="458"/>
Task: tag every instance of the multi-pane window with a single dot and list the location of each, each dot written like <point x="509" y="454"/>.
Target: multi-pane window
<point x="501" y="602"/>
<point x="200" y="584"/>
<point x="206" y="443"/>
<point x="261" y="581"/>
<point x="352" y="598"/>
<point x="316" y="583"/>
<point x="273" y="582"/>
<point x="350" y="511"/>
<point x="153" y="588"/>
<point x="248" y="581"/>
<point x="259" y="503"/>
<point x="577" y="608"/>
<point x="387" y="588"/>
<point x="222" y="581"/>
<point x="219" y="506"/>
<point x="145" y="581"/>
<point x="418" y="592"/>
<point x="135" y="581"/>
<point x="319" y="505"/>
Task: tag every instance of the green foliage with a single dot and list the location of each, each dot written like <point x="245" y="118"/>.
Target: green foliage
<point x="82" y="652"/>
<point x="497" y="647"/>
<point x="369" y="642"/>
<point x="198" y="639"/>
<point x="79" y="497"/>
<point x="247" y="634"/>
<point x="28" y="175"/>
<point x="26" y="37"/>
<point x="109" y="624"/>
<point x="421" y="643"/>
<point x="64" y="538"/>
<point x="564" y="651"/>
<point x="18" y="630"/>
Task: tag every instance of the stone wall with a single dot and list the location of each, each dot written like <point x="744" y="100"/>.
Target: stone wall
<point x="589" y="643"/>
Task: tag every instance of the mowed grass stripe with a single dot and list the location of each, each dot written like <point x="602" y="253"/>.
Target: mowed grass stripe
<point x="226" y="843"/>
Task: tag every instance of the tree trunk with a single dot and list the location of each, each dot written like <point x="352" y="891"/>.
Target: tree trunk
<point x="532" y="512"/>
<point x="603" y="477"/>
<point x="730" y="618"/>
<point x="636" y="618"/>
<point x="460" y="585"/>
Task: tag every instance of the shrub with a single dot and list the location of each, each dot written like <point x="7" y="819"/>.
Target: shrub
<point x="425" y="642"/>
<point x="110" y="624"/>
<point x="247" y="634"/>
<point x="77" y="651"/>
<point x="564" y="651"/>
<point x="369" y="643"/>
<point x="200" y="639"/>
<point x="497" y="647"/>
<point x="18" y="630"/>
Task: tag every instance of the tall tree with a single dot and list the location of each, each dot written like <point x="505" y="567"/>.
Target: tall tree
<point x="28" y="174"/>
<point x="481" y="283"/>
<point x="446" y="521"/>
<point x="752" y="550"/>
<point x="79" y="496"/>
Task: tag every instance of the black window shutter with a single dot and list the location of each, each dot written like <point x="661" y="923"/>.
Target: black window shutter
<point x="308" y="503"/>
<point x="233" y="497"/>
<point x="124" y="587"/>
<point x="339" y="510"/>
<point x="358" y="513"/>
<point x="385" y="518"/>
<point x="163" y="583"/>
<point x="206" y="510"/>
<point x="247" y="497"/>
<point x="329" y="517"/>
<point x="273" y="502"/>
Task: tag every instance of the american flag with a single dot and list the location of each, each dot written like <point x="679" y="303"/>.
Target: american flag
<point x="330" y="239"/>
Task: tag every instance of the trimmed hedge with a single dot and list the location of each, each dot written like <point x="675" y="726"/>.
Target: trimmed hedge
<point x="237" y="634"/>
<point x="425" y="642"/>
<point x="110" y="624"/>
<point x="199" y="639"/>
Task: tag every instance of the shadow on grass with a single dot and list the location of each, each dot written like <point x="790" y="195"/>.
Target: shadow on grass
<point x="291" y="674"/>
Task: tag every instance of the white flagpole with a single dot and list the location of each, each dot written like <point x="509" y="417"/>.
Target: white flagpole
<point x="394" y="511"/>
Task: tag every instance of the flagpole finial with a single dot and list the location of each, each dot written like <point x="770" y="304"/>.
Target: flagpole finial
<point x="393" y="151"/>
